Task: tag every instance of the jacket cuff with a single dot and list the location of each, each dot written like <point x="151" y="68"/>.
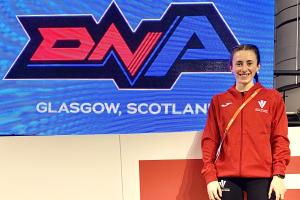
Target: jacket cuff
<point x="210" y="176"/>
<point x="279" y="170"/>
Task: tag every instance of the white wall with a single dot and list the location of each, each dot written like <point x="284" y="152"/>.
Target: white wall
<point x="96" y="167"/>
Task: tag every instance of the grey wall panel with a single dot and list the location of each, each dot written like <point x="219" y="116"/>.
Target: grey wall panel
<point x="292" y="100"/>
<point x="283" y="4"/>
<point x="286" y="15"/>
<point x="286" y="65"/>
<point x="286" y="35"/>
<point x="284" y="80"/>
<point x="285" y="53"/>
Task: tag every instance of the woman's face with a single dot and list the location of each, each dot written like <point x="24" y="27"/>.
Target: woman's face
<point x="244" y="66"/>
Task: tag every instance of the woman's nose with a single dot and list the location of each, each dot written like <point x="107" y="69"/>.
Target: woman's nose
<point x="244" y="67"/>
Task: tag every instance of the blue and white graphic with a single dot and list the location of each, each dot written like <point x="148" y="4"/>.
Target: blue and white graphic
<point x="114" y="67"/>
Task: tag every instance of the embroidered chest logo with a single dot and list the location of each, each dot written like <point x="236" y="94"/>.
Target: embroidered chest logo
<point x="262" y="104"/>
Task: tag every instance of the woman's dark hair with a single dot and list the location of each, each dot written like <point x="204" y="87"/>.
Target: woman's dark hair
<point x="250" y="47"/>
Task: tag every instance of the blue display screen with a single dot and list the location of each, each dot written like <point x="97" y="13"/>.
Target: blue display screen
<point x="121" y="67"/>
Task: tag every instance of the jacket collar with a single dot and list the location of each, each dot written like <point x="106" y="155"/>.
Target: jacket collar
<point x="235" y="92"/>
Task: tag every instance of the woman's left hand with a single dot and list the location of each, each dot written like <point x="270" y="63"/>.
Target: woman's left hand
<point x="277" y="185"/>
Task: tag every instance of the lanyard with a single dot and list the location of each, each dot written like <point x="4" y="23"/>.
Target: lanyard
<point x="233" y="118"/>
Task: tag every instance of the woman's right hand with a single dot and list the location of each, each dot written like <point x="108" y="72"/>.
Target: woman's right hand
<point x="214" y="190"/>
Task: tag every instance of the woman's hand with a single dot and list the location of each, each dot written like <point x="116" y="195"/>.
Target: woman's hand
<point x="277" y="185"/>
<point x="214" y="190"/>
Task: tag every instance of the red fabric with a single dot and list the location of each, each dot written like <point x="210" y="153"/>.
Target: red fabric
<point x="256" y="144"/>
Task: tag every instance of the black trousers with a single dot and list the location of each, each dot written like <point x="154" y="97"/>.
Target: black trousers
<point x="256" y="188"/>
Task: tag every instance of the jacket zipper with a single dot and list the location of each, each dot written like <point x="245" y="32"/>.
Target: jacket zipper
<point x="243" y="98"/>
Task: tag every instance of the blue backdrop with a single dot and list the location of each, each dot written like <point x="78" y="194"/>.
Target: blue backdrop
<point x="52" y="107"/>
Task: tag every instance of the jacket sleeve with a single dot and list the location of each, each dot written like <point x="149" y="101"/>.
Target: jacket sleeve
<point x="279" y="137"/>
<point x="209" y="144"/>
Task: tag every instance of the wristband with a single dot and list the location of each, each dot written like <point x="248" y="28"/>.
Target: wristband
<point x="280" y="176"/>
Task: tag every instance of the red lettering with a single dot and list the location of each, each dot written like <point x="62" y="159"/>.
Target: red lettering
<point x="46" y="51"/>
<point x="132" y="61"/>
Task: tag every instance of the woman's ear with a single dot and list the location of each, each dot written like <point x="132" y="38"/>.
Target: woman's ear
<point x="258" y="68"/>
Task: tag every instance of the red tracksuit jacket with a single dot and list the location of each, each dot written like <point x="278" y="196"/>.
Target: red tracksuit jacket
<point x="256" y="144"/>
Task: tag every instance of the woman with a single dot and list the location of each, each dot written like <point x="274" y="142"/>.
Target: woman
<point x="253" y="152"/>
